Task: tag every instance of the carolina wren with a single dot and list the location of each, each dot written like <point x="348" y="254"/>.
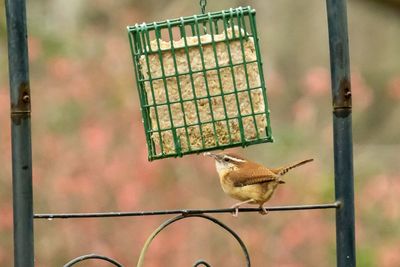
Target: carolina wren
<point x="248" y="181"/>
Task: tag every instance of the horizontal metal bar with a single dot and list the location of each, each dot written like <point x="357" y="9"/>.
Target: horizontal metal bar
<point x="203" y="70"/>
<point x="222" y="94"/>
<point x="198" y="45"/>
<point x="220" y="146"/>
<point x="190" y="19"/>
<point x="335" y="205"/>
<point x="201" y="123"/>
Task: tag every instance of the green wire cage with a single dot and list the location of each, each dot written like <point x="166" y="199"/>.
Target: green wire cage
<point x="200" y="83"/>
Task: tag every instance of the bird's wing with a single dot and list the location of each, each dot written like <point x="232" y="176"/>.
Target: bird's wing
<point x="260" y="175"/>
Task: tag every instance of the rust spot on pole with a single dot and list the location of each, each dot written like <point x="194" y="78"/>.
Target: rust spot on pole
<point x="343" y="99"/>
<point x="23" y="104"/>
<point x="22" y="108"/>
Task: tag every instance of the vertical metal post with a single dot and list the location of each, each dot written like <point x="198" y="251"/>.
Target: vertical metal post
<point x="20" y="132"/>
<point x="342" y="132"/>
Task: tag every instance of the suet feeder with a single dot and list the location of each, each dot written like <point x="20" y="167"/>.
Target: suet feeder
<point x="200" y="83"/>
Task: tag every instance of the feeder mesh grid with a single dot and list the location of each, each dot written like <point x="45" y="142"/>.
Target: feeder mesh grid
<point x="200" y="83"/>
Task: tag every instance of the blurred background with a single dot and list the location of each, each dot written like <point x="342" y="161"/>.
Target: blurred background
<point x="89" y="152"/>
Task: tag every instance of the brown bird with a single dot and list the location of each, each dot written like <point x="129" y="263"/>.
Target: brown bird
<point x="248" y="181"/>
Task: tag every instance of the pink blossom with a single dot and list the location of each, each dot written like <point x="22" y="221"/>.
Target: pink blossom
<point x="362" y="94"/>
<point x="317" y="81"/>
<point x="394" y="87"/>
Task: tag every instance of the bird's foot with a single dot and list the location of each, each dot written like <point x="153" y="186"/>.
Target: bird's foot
<point x="235" y="212"/>
<point x="263" y="210"/>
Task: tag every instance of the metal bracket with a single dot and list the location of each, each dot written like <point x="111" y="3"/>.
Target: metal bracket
<point x="22" y="109"/>
<point x="343" y="99"/>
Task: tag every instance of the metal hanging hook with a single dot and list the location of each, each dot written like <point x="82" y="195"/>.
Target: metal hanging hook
<point x="203" y="4"/>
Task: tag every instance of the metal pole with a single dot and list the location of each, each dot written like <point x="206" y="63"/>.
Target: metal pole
<point x="20" y="132"/>
<point x="342" y="132"/>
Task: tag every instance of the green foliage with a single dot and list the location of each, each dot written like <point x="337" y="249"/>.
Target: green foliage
<point x="366" y="256"/>
<point x="65" y="118"/>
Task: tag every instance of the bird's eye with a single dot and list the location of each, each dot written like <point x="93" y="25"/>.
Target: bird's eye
<point x="226" y="159"/>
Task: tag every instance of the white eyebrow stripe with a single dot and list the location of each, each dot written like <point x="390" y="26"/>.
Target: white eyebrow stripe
<point x="235" y="159"/>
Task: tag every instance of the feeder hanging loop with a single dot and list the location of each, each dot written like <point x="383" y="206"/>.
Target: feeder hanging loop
<point x="203" y="4"/>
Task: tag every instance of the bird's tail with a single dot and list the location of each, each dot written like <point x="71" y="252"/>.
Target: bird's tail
<point x="284" y="170"/>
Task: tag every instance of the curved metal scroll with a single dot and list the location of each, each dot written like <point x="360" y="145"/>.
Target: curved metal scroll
<point x="201" y="262"/>
<point x="180" y="217"/>
<point x="90" y="257"/>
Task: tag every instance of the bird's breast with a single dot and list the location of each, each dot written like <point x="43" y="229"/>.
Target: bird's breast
<point x="260" y="193"/>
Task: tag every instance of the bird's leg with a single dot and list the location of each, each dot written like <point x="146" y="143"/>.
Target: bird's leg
<point x="263" y="210"/>
<point x="237" y="205"/>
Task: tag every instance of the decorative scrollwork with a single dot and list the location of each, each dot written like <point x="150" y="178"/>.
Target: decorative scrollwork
<point x="201" y="262"/>
<point x="185" y="216"/>
<point x="91" y="257"/>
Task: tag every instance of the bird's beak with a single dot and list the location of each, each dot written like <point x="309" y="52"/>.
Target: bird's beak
<point x="212" y="155"/>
